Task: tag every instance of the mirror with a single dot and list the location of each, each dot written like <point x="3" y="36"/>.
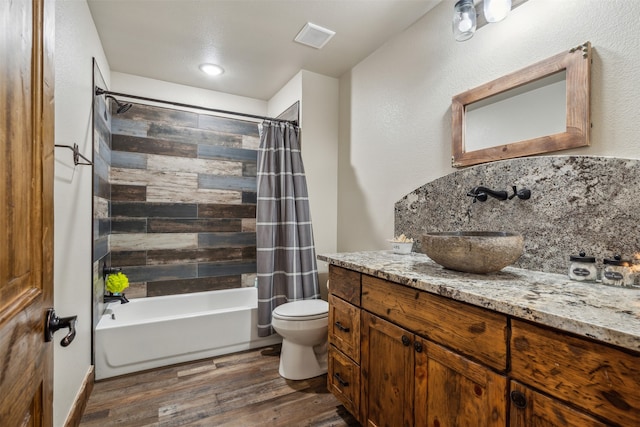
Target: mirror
<point x="542" y="108"/>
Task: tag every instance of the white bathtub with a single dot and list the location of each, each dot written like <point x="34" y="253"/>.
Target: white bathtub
<point x="159" y="331"/>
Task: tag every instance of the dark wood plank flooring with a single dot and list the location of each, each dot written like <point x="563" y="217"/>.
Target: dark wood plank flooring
<point x="241" y="389"/>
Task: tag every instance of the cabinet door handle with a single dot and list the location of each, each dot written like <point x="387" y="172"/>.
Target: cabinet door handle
<point x="342" y="382"/>
<point x="342" y="327"/>
<point x="406" y="341"/>
<point x="417" y="346"/>
<point x="519" y="399"/>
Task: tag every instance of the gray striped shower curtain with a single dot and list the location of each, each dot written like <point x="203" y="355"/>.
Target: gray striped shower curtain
<point x="286" y="260"/>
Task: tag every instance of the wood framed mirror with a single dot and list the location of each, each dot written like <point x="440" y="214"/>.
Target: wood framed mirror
<point x="542" y="108"/>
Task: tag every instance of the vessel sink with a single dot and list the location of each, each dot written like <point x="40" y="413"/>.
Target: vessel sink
<point x="473" y="251"/>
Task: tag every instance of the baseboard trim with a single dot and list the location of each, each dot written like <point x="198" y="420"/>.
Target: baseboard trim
<point x="75" y="414"/>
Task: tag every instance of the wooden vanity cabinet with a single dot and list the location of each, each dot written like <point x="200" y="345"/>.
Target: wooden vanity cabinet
<point x="406" y="357"/>
<point x="408" y="380"/>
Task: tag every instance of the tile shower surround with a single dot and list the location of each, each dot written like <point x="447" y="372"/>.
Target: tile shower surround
<point x="175" y="197"/>
<point x="578" y="203"/>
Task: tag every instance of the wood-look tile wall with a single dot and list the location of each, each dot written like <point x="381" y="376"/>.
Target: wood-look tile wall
<point x="182" y="200"/>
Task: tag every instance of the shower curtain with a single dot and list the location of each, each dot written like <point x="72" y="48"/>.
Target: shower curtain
<point x="285" y="252"/>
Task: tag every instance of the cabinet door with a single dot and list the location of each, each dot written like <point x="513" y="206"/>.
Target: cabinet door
<point x="452" y="391"/>
<point x="532" y="409"/>
<point x="387" y="373"/>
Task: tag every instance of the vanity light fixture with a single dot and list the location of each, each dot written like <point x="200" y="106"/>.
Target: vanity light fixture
<point x="211" y="69"/>
<point x="464" y="20"/>
<point x="468" y="17"/>
<point x="496" y="10"/>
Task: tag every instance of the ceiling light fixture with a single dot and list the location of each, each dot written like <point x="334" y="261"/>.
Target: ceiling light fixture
<point x="211" y="69"/>
<point x="464" y="20"/>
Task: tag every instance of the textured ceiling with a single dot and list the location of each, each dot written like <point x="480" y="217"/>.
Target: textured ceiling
<point x="251" y="39"/>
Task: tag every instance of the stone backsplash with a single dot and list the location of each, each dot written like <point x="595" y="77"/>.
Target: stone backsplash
<point x="578" y="203"/>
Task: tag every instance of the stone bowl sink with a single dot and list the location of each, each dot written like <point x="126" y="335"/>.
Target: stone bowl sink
<point x="473" y="251"/>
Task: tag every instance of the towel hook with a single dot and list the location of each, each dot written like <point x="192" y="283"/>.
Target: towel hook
<point x="76" y="155"/>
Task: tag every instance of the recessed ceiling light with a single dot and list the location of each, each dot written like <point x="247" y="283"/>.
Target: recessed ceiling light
<point x="211" y="69"/>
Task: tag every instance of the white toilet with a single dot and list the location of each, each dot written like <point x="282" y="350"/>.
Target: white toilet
<point x="303" y="326"/>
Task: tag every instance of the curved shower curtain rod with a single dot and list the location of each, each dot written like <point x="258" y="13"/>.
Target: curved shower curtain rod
<point x="100" y="91"/>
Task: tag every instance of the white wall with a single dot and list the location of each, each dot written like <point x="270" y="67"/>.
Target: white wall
<point x="158" y="89"/>
<point x="318" y="96"/>
<point x="76" y="43"/>
<point x="320" y="124"/>
<point x="286" y="97"/>
<point x="395" y="115"/>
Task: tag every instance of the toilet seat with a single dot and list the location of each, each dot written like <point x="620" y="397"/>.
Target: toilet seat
<point x="302" y="310"/>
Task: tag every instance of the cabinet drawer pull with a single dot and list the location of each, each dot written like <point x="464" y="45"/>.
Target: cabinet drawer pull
<point x="342" y="382"/>
<point x="342" y="327"/>
<point x="406" y="341"/>
<point x="519" y="399"/>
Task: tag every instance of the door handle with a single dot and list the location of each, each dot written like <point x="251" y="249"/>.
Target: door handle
<point x="53" y="323"/>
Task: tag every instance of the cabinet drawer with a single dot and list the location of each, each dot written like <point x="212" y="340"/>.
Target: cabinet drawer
<point x="343" y="380"/>
<point x="344" y="327"/>
<point x="600" y="379"/>
<point x="473" y="331"/>
<point x="345" y="284"/>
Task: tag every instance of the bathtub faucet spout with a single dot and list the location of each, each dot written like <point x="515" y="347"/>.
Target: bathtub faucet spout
<point x="111" y="297"/>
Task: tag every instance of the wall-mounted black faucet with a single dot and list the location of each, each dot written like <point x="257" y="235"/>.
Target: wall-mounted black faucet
<point x="482" y="193"/>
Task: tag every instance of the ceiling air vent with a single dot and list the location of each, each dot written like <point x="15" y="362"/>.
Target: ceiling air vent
<point x="314" y="35"/>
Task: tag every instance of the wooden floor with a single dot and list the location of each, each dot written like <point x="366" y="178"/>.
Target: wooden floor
<point x="242" y="389"/>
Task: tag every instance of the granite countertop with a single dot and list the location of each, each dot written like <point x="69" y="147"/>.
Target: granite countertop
<point x="604" y="313"/>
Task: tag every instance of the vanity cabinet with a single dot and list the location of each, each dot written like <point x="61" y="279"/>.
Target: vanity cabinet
<point x="409" y="380"/>
<point x="400" y="356"/>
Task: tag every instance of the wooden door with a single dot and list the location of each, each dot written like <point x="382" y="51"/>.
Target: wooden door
<point x="387" y="373"/>
<point x="532" y="409"/>
<point x="26" y="210"/>
<point x="452" y="391"/>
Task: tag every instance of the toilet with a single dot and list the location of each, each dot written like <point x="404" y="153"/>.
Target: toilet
<point x="303" y="326"/>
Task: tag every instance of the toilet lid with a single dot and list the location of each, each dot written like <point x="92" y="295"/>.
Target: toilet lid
<point x="304" y="309"/>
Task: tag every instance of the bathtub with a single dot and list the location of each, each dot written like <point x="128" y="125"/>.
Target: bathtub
<point x="159" y="331"/>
